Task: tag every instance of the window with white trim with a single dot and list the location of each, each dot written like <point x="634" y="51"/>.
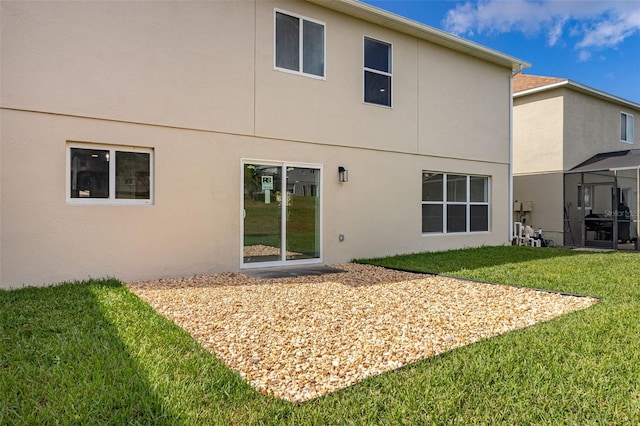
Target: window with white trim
<point x="585" y="197"/>
<point x="626" y="127"/>
<point x="454" y="203"/>
<point x="377" y="72"/>
<point x="107" y="173"/>
<point x="299" y="45"/>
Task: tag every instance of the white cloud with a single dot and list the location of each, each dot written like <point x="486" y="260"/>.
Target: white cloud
<point x="556" y="32"/>
<point x="608" y="33"/>
<point x="584" y="55"/>
<point x="596" y="24"/>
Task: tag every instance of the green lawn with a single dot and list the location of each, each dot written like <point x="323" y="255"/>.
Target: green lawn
<point x="93" y="353"/>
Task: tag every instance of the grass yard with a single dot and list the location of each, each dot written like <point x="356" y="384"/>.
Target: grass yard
<point x="93" y="353"/>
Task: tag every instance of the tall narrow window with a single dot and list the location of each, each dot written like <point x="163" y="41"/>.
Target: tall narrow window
<point x="377" y="72"/>
<point x="585" y="197"/>
<point x="626" y="127"/>
<point x="432" y="202"/>
<point x="299" y="44"/>
<point x="478" y="203"/>
<point x="454" y="203"/>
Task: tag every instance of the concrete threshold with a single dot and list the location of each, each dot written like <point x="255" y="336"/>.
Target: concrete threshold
<point x="290" y="271"/>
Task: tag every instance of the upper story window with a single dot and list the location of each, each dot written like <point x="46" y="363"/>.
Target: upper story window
<point x="454" y="203"/>
<point x="377" y="72"/>
<point x="104" y="174"/>
<point x="626" y="127"/>
<point x="299" y="44"/>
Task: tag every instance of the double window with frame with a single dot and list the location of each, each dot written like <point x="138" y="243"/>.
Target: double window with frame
<point x="109" y="174"/>
<point x="299" y="46"/>
<point x="626" y="127"/>
<point x="453" y="203"/>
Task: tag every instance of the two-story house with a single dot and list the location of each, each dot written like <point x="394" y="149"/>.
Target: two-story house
<point x="150" y="139"/>
<point x="576" y="160"/>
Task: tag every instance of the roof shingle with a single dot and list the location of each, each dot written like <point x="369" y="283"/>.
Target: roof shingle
<point x="523" y="82"/>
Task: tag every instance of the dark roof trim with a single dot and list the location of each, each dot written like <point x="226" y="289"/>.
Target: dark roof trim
<point x="608" y="161"/>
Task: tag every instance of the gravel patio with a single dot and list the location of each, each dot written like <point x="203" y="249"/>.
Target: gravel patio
<point x="303" y="337"/>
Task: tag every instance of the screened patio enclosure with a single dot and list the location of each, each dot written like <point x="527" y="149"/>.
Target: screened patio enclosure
<point x="601" y="201"/>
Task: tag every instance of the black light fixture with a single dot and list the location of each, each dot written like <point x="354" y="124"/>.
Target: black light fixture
<point x="343" y="174"/>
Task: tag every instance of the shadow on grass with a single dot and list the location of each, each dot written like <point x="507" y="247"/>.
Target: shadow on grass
<point x="62" y="361"/>
<point x="94" y="353"/>
<point x="449" y="262"/>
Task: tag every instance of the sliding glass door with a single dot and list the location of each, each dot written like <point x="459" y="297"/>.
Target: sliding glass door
<point x="281" y="214"/>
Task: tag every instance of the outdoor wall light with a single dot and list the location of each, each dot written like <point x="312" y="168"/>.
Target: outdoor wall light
<point x="343" y="174"/>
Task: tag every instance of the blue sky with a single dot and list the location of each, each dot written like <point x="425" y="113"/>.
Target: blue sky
<point x="592" y="42"/>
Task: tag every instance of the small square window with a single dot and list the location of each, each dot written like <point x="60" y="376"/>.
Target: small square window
<point x="479" y="218"/>
<point x="432" y="218"/>
<point x="432" y="186"/>
<point x="456" y="218"/>
<point x="478" y="189"/>
<point x="377" y="88"/>
<point x="377" y="55"/>
<point x="456" y="188"/>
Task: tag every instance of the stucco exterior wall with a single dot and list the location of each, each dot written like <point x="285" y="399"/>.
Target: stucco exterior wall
<point x="154" y="71"/>
<point x="332" y="110"/>
<point x="183" y="64"/>
<point x="538" y="133"/>
<point x="462" y="108"/>
<point x="444" y="104"/>
<point x="194" y="224"/>
<point x="195" y="82"/>
<point x="592" y="126"/>
<point x="545" y="191"/>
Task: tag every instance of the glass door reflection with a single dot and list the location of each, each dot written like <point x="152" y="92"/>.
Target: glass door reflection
<point x="303" y="213"/>
<point x="281" y="214"/>
<point x="262" y="239"/>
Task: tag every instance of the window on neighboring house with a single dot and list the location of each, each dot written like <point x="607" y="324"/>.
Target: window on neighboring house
<point x="299" y="44"/>
<point x="454" y="203"/>
<point x="109" y="173"/>
<point x="626" y="127"/>
<point x="585" y="197"/>
<point x="377" y="72"/>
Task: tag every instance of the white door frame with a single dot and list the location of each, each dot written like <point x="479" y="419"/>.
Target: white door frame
<point x="283" y="189"/>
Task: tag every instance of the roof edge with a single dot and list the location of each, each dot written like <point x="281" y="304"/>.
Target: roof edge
<point x="408" y="26"/>
<point x="596" y="160"/>
<point x="570" y="84"/>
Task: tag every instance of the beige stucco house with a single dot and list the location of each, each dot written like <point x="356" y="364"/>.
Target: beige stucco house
<point x="150" y="139"/>
<point x="576" y="160"/>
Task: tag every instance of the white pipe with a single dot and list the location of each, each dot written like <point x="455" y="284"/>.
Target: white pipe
<point x="510" y="230"/>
